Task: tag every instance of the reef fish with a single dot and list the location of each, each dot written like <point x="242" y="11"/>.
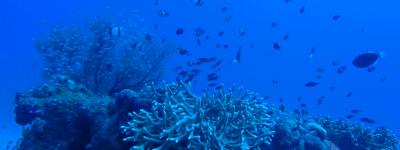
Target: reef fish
<point x="367" y="59"/>
<point x="311" y="84"/>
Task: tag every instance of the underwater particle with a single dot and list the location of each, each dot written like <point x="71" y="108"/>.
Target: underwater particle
<point x="341" y="69"/>
<point x="302" y="9"/>
<point x="183" y="51"/>
<point x="319" y="102"/>
<point x="274" y="24"/>
<point x="163" y="13"/>
<point x="197" y="2"/>
<point x="251" y="45"/>
<point x="179" y="31"/>
<point x="348" y="95"/>
<point x="242" y="32"/>
<point x="311" y="84"/>
<point x="115" y="31"/>
<point x="320" y="70"/>
<point x="199" y="32"/>
<point x="371" y="69"/>
<point x="236" y="60"/>
<point x="219" y="45"/>
<point x="224" y="9"/>
<point x="367" y="120"/>
<point x="286" y="37"/>
<point x="336" y="17"/>
<point x="156" y="26"/>
<point x="367" y="59"/>
<point x="276" y="46"/>
<point x="221" y="33"/>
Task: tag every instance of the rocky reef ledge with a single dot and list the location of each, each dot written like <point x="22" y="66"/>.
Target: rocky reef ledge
<point x="63" y="114"/>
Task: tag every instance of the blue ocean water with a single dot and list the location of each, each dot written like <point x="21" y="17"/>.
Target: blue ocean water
<point x="363" y="26"/>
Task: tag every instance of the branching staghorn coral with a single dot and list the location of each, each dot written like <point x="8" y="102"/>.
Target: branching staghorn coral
<point x="229" y="119"/>
<point x="101" y="61"/>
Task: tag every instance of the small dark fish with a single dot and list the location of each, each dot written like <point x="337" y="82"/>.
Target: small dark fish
<point x="156" y="26"/>
<point x="225" y="46"/>
<point x="336" y="17"/>
<point x="320" y="70"/>
<point x="184" y="51"/>
<point x="311" y="84"/>
<point x="287" y="1"/>
<point x="350" y="116"/>
<point x="163" y="13"/>
<point x="348" y="95"/>
<point x="220" y="86"/>
<point x="303" y="105"/>
<point x="367" y="120"/>
<point x="276" y="46"/>
<point x="182" y="73"/>
<point x="177" y="68"/>
<point x="275" y="82"/>
<point x="299" y="98"/>
<point x="156" y="2"/>
<point x="224" y="9"/>
<point x="335" y="63"/>
<point x="331" y="88"/>
<point x="296" y="111"/>
<point x="199" y="32"/>
<point x="212" y="75"/>
<point x="371" y="69"/>
<point x="251" y="45"/>
<point x="214" y="66"/>
<point x="242" y="32"/>
<point x="365" y="60"/>
<point x="218" y="46"/>
<point x="274" y="24"/>
<point x="207" y="37"/>
<point x="363" y="29"/>
<point x="212" y="84"/>
<point x="286" y="37"/>
<point x="189" y="63"/>
<point x="355" y="111"/>
<point x="221" y="33"/>
<point x="179" y="31"/>
<point x="198" y="41"/>
<point x="382" y="79"/>
<point x="237" y="57"/>
<point x="228" y="18"/>
<point x="341" y="69"/>
<point x="212" y="59"/>
<point x="302" y="9"/>
<point x="319" y="102"/>
<point x="197" y="2"/>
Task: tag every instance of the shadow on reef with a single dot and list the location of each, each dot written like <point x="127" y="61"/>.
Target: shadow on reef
<point x="98" y="94"/>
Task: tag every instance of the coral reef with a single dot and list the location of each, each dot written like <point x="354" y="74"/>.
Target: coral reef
<point x="179" y="120"/>
<point x="103" y="62"/>
<point x="98" y="94"/>
<point x="232" y="119"/>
